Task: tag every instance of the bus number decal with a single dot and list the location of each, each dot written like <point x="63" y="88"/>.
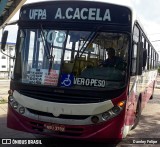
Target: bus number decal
<point x="84" y="14"/>
<point x="52" y="35"/>
<point x="61" y="37"/>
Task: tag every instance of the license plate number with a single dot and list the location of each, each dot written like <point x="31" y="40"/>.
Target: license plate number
<point x="55" y="127"/>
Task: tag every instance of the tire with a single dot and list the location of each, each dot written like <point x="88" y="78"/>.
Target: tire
<point x="137" y="115"/>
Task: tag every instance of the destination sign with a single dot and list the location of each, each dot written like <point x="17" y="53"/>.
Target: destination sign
<point x="89" y="82"/>
<point x="76" y="11"/>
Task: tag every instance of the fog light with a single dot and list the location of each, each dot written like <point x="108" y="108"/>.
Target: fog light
<point x="95" y="119"/>
<point x="116" y="109"/>
<point x="10" y="98"/>
<point x="15" y="105"/>
<point x="106" y="115"/>
<point x="22" y="110"/>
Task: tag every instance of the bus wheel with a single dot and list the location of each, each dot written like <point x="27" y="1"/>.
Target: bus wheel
<point x="137" y="115"/>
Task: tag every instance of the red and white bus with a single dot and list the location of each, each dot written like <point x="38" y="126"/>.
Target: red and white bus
<point x="58" y="88"/>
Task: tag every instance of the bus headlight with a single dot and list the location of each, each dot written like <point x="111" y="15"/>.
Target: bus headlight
<point x="95" y="119"/>
<point x="21" y="110"/>
<point x="10" y="98"/>
<point x="15" y="105"/>
<point x="114" y="111"/>
<point x="106" y="115"/>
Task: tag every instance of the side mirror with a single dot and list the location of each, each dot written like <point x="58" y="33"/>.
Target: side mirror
<point x="4" y="40"/>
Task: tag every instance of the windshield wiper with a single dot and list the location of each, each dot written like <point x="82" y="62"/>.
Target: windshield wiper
<point x="47" y="51"/>
<point x="88" y="39"/>
<point x="92" y="37"/>
<point x="45" y="42"/>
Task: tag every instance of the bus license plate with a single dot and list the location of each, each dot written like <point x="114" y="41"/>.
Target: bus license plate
<point x="55" y="127"/>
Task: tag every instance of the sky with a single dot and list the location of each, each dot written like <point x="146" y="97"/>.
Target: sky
<point x="148" y="12"/>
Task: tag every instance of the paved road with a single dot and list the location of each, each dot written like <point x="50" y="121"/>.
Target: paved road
<point x="149" y="125"/>
<point x="4" y="87"/>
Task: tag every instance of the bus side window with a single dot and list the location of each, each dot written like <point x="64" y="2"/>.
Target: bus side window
<point x="134" y="59"/>
<point x="136" y="34"/>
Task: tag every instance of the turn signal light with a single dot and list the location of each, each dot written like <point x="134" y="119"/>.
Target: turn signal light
<point x="121" y="104"/>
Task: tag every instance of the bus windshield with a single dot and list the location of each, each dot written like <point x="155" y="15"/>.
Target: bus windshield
<point x="72" y="58"/>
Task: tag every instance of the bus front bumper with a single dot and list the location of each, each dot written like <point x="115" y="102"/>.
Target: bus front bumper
<point x="108" y="131"/>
